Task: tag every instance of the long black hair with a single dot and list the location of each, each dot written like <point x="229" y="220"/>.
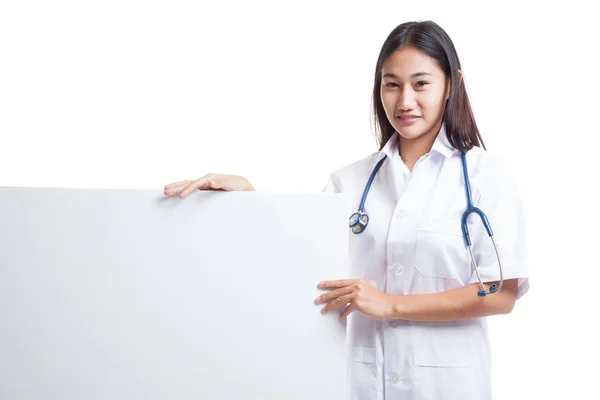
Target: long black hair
<point x="429" y="38"/>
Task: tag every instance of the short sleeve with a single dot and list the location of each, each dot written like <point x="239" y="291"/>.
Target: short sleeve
<point x="333" y="185"/>
<point x="501" y="202"/>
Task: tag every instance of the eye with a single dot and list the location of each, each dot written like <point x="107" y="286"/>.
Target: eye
<point x="391" y="84"/>
<point x="421" y="84"/>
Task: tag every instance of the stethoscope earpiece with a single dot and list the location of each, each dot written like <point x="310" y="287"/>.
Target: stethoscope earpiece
<point x="493" y="289"/>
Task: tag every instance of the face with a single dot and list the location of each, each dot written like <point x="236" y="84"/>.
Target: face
<point x="414" y="90"/>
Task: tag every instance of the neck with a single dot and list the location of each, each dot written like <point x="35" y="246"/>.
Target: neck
<point x="413" y="149"/>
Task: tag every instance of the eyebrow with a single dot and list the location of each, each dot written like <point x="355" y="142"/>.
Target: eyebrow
<point x="417" y="74"/>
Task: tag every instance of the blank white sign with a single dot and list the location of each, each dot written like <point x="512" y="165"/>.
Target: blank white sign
<point x="127" y="294"/>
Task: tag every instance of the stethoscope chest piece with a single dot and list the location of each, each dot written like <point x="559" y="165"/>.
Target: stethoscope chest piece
<point x="358" y="222"/>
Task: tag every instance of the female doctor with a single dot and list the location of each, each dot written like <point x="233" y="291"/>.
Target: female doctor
<point x="419" y="296"/>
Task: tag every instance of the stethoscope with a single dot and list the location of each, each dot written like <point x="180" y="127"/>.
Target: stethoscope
<point x="359" y="221"/>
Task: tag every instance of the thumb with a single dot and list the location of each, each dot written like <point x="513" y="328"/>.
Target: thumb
<point x="227" y="183"/>
<point x="215" y="184"/>
<point x="221" y="184"/>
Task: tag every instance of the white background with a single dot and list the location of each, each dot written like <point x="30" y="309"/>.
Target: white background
<point x="138" y="94"/>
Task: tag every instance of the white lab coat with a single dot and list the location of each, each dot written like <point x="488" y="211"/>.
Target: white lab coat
<point x="414" y="244"/>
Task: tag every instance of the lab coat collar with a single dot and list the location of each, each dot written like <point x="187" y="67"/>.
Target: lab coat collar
<point x="391" y="147"/>
<point x="442" y="144"/>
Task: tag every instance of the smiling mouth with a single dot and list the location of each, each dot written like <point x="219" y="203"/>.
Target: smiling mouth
<point x="407" y="118"/>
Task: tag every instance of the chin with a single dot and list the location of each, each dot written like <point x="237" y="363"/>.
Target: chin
<point x="414" y="131"/>
<point x="409" y="132"/>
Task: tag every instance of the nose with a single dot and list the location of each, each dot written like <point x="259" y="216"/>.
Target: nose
<point x="406" y="99"/>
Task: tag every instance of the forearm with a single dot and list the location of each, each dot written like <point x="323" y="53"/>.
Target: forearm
<point x="457" y="304"/>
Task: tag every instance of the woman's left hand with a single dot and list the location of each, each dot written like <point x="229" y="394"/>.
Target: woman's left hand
<point x="357" y="295"/>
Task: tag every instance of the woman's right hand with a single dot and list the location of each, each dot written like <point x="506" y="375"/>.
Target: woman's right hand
<point x="209" y="182"/>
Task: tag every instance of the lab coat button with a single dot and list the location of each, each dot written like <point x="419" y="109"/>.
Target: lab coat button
<point x="398" y="268"/>
<point x="394" y="379"/>
<point x="394" y="323"/>
<point x="400" y="214"/>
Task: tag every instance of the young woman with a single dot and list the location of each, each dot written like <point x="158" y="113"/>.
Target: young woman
<point x="421" y="294"/>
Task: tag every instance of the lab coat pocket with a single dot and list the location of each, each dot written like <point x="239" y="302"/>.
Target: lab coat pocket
<point x="362" y="373"/>
<point x="364" y="355"/>
<point x="444" y="368"/>
<point x="440" y="250"/>
<point x="445" y="348"/>
<point x="449" y="383"/>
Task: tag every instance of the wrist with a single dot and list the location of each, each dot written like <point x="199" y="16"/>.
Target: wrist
<point x="397" y="307"/>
